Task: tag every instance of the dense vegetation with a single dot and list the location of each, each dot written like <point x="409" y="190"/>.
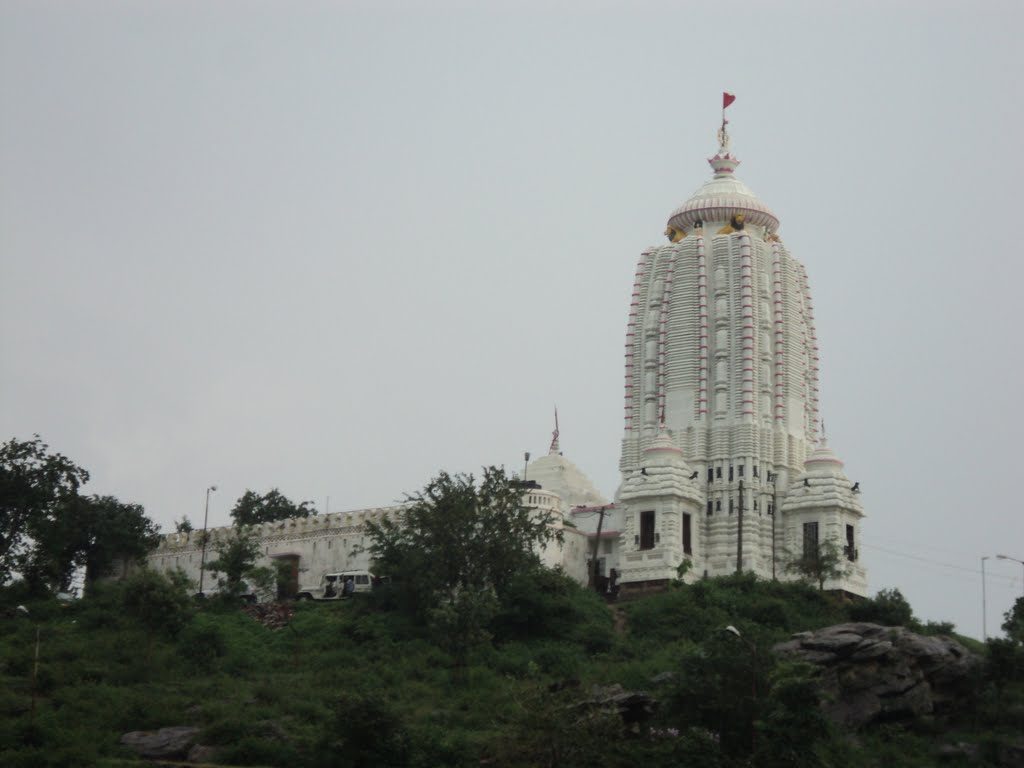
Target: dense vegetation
<point x="363" y="683"/>
<point x="473" y="654"/>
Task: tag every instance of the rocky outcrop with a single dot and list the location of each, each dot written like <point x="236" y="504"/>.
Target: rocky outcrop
<point x="632" y="706"/>
<point x="165" y="744"/>
<point x="871" y="673"/>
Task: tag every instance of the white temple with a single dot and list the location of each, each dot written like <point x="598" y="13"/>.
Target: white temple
<point x="722" y="462"/>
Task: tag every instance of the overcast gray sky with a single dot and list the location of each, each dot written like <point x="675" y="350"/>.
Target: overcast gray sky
<point x="336" y="247"/>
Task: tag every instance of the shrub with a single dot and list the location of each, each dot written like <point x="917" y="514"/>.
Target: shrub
<point x="543" y="603"/>
<point x="888" y="608"/>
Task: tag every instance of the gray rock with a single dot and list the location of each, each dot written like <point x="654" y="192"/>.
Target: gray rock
<point x="958" y="751"/>
<point x="835" y="643"/>
<point x="201" y="753"/>
<point x="631" y="706"/>
<point x="164" y="744"/>
<point x="870" y="673"/>
<point x="870" y="649"/>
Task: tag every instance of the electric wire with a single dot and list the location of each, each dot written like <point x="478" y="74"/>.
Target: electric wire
<point x="928" y="561"/>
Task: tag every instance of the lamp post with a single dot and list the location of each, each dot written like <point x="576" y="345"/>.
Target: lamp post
<point x="984" y="614"/>
<point x="202" y="557"/>
<point x="1013" y="559"/>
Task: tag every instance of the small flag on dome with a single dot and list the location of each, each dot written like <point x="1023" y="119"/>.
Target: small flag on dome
<point x="727" y="99"/>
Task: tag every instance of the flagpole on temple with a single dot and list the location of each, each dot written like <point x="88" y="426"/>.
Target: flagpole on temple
<point x="723" y="135"/>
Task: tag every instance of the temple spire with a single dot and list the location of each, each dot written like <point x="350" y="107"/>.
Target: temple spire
<point x="554" y="436"/>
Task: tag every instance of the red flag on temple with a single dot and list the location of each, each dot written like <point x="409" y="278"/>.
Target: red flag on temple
<point x="727" y="99"/>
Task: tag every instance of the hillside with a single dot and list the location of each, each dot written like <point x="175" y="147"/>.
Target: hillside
<point x="360" y="684"/>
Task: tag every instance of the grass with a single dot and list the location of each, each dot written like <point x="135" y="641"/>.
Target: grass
<point x="308" y="694"/>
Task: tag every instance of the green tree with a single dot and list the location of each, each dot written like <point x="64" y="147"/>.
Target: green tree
<point x="86" y="531"/>
<point x="160" y="603"/>
<point x="823" y="563"/>
<point x="236" y="561"/>
<point x="183" y="526"/>
<point x="33" y="484"/>
<point x="253" y="508"/>
<point x="456" y="549"/>
<point x="1013" y="621"/>
<point x="889" y="608"/>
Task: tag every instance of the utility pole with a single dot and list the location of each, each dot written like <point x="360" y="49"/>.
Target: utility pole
<point x="202" y="558"/>
<point x="739" y="534"/>
<point x="775" y="511"/>
<point x="594" y="570"/>
<point x="984" y="613"/>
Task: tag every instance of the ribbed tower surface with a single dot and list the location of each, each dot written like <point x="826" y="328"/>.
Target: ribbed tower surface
<point x="722" y="357"/>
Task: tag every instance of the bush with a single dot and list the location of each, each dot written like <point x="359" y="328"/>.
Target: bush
<point x="540" y="603"/>
<point x="202" y="642"/>
<point x="363" y="731"/>
<point x="888" y="608"/>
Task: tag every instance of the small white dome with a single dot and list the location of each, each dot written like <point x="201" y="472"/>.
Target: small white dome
<point x="721" y="198"/>
<point x="557" y="474"/>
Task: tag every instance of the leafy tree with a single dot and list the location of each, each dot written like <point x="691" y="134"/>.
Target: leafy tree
<point x="888" y="608"/>
<point x="363" y="731"/>
<point x="253" y="509"/>
<point x="825" y="562"/>
<point x="794" y="731"/>
<point x="183" y="526"/>
<point x="158" y="602"/>
<point x="236" y="560"/>
<point x="1013" y="621"/>
<point x="90" y="532"/>
<point x="33" y="483"/>
<point x="457" y="548"/>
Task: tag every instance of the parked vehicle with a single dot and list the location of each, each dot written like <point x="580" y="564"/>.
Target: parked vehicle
<point x="332" y="585"/>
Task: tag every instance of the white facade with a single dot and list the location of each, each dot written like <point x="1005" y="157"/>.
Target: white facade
<point x="721" y="364"/>
<point x="337" y="542"/>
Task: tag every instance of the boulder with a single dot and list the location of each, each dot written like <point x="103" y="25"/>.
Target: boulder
<point x="632" y="706"/>
<point x="200" y="753"/>
<point x="870" y="673"/>
<point x="164" y="744"/>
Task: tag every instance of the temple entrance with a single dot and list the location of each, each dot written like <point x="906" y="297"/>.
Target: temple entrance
<point x="287" y="567"/>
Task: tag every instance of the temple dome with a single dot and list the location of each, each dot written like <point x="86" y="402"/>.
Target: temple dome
<point x="722" y="197"/>
<point x="823" y="484"/>
<point x="557" y="474"/>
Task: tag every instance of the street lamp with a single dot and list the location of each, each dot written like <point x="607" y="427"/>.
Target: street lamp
<point x="202" y="558"/>
<point x="984" y="614"/>
<point x="1014" y="559"/>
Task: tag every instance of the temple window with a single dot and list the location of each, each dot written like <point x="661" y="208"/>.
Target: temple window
<point x="687" y="542"/>
<point x="810" y="540"/>
<point x="647" y="529"/>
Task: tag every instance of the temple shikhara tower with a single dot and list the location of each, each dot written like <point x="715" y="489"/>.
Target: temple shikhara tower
<point x="724" y="460"/>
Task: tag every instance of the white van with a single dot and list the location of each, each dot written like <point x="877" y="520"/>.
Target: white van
<point x="332" y="585"/>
